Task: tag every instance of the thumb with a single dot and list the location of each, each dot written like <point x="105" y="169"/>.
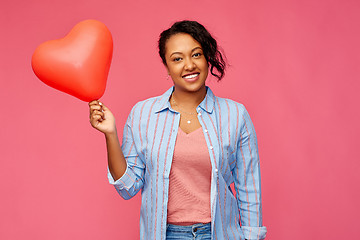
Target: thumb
<point x="103" y="106"/>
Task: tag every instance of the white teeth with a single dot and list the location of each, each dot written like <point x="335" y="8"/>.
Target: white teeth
<point x="191" y="76"/>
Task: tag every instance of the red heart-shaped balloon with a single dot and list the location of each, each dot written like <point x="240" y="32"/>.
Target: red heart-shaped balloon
<point x="77" y="64"/>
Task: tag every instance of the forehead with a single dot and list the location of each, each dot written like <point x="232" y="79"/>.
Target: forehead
<point x="181" y="42"/>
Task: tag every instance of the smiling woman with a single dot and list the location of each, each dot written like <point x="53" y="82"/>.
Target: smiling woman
<point x="184" y="149"/>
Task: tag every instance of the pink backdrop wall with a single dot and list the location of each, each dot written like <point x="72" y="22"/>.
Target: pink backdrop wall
<point x="294" y="65"/>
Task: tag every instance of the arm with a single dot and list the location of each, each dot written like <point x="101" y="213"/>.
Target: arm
<point x="103" y="120"/>
<point x="247" y="179"/>
<point x="125" y="171"/>
<point x="116" y="160"/>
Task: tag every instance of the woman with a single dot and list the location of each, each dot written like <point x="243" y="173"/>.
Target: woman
<point x="184" y="148"/>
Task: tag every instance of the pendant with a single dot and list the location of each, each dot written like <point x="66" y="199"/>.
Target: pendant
<point x="188" y="121"/>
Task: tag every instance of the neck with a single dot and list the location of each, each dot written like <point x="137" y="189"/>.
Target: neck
<point x="189" y="100"/>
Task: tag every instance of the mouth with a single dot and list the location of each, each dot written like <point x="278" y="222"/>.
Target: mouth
<point x="191" y="77"/>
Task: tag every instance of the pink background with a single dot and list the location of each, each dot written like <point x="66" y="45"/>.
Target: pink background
<point x="294" y="65"/>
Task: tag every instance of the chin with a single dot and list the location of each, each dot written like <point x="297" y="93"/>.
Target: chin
<point x="194" y="88"/>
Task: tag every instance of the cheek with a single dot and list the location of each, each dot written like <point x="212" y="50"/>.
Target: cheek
<point x="205" y="65"/>
<point x="174" y="69"/>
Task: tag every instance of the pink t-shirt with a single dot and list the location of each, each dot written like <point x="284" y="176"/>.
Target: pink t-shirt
<point x="190" y="180"/>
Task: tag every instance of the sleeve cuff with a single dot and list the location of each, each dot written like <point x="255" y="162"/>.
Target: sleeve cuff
<point x="254" y="232"/>
<point x="125" y="181"/>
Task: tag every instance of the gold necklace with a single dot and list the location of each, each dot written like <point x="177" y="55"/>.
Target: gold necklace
<point x="188" y="121"/>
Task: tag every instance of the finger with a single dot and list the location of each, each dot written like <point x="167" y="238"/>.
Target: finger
<point x="99" y="115"/>
<point x="95" y="107"/>
<point x="104" y="107"/>
<point x="97" y="112"/>
<point x="94" y="102"/>
<point x="101" y="105"/>
<point x="95" y="120"/>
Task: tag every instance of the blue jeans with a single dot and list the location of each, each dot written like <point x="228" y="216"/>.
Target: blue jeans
<point x="197" y="231"/>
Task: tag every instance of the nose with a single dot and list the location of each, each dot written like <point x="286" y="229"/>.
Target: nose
<point x="189" y="65"/>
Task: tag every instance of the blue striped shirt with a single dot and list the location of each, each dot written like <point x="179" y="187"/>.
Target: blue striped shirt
<point x="148" y="146"/>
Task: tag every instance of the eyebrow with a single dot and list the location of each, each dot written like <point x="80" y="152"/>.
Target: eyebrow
<point x="182" y="53"/>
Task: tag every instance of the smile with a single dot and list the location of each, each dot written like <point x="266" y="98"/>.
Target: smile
<point x="191" y="77"/>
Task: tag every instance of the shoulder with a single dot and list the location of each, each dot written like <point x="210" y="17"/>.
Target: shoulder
<point x="145" y="102"/>
<point x="230" y="105"/>
<point x="147" y="105"/>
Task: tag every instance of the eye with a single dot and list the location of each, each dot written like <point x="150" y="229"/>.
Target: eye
<point x="197" y="55"/>
<point x="177" y="59"/>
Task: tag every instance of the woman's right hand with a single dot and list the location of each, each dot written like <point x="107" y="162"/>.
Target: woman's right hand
<point x="101" y="117"/>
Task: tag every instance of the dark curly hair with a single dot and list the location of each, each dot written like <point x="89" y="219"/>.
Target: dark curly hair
<point x="209" y="45"/>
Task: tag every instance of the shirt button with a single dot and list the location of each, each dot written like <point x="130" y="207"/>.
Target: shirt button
<point x="206" y="130"/>
<point x="211" y="147"/>
<point x="199" y="114"/>
<point x="216" y="170"/>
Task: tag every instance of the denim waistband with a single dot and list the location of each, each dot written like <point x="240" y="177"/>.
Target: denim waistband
<point x="190" y="228"/>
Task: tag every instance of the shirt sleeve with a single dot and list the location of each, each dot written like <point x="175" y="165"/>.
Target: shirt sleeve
<point x="247" y="180"/>
<point x="129" y="184"/>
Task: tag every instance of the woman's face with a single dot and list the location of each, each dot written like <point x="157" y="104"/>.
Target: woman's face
<point x="186" y="63"/>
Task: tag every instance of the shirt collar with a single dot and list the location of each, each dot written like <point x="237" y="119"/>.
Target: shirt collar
<point x="207" y="104"/>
